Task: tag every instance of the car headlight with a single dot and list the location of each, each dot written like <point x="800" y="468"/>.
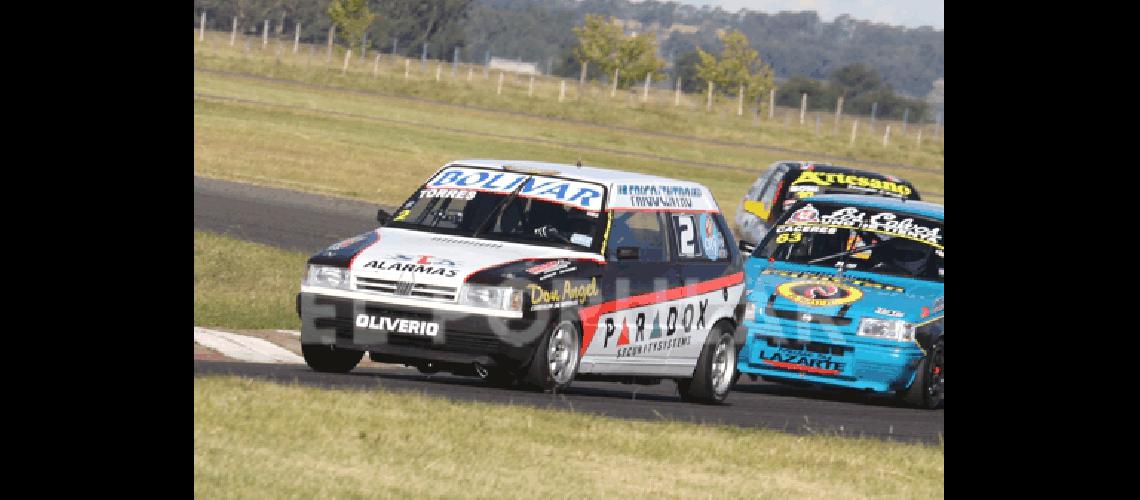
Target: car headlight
<point x="493" y="297"/>
<point x="327" y="276"/>
<point x="893" y="329"/>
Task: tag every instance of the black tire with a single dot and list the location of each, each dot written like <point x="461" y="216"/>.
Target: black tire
<point x="709" y="384"/>
<point x="540" y="374"/>
<point x="329" y="358"/>
<point x="928" y="389"/>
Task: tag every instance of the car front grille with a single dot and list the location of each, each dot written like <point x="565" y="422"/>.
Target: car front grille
<point x="405" y="288"/>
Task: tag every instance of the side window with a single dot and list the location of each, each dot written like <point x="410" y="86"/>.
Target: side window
<point x="638" y="229"/>
<point x="699" y="237"/>
<point x="769" y="193"/>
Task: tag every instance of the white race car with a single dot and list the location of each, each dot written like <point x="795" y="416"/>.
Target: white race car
<point x="536" y="272"/>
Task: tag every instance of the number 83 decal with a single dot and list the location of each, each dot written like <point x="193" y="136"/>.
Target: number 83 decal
<point x="789" y="237"/>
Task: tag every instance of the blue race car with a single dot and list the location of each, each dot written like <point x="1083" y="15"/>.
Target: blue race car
<point x="847" y="291"/>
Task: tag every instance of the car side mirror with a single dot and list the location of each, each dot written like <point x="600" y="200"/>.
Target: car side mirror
<point x="747" y="247"/>
<point x="628" y="253"/>
<point x="383" y="217"/>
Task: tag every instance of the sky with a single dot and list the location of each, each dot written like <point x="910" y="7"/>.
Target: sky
<point x="909" y="13"/>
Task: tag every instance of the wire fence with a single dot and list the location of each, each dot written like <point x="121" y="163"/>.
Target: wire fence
<point x="288" y="46"/>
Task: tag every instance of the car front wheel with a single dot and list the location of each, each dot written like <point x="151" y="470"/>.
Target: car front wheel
<point x="928" y="389"/>
<point x="329" y="358"/>
<point x="555" y="361"/>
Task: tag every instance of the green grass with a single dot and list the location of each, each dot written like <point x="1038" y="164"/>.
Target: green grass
<point x="379" y="148"/>
<point x="594" y="105"/>
<point x="267" y="440"/>
<point x="238" y="284"/>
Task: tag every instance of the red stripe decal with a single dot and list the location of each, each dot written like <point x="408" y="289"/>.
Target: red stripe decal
<point x="370" y="245"/>
<point x="800" y="368"/>
<point x="590" y="315"/>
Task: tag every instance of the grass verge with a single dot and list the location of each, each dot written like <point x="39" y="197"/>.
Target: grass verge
<point x="238" y="284"/>
<point x="262" y="439"/>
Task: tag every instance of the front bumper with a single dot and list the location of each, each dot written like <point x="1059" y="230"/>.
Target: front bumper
<point x="826" y="357"/>
<point x="412" y="335"/>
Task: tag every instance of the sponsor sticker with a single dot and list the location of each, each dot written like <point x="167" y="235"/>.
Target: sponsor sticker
<point x="583" y="195"/>
<point x="711" y="240"/>
<point x="888" y="312"/>
<point x="397" y="325"/>
<point x="854" y="181"/>
<point x="819" y="293"/>
<point x="569" y="294"/>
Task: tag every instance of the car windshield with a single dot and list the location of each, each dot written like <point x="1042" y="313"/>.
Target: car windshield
<point x="507" y="206"/>
<point x="859" y="238"/>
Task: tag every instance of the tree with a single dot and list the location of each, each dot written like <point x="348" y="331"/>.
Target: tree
<point x="739" y="64"/>
<point x="352" y="17"/>
<point x="637" y="57"/>
<point x="599" y="40"/>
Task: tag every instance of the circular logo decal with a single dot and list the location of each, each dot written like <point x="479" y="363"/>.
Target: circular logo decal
<point x="819" y="293"/>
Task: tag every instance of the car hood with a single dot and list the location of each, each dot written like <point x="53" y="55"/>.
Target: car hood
<point x="440" y="259"/>
<point x="815" y="290"/>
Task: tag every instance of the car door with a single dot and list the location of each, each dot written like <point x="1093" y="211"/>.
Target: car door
<point x="617" y="333"/>
<point x="704" y="255"/>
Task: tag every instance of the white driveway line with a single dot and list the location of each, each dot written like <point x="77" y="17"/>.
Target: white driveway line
<point x="244" y="348"/>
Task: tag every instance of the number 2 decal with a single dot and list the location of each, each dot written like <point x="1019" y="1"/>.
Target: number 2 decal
<point x="686" y="235"/>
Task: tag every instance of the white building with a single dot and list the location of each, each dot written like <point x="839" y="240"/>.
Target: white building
<point x="513" y="66"/>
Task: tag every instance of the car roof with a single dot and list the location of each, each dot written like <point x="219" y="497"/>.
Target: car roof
<point x="923" y="208"/>
<point x="583" y="173"/>
<point x="839" y="169"/>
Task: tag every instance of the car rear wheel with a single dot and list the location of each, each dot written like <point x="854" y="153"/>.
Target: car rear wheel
<point x="715" y="372"/>
<point x="555" y="361"/>
<point x="927" y="391"/>
<point x="329" y="358"/>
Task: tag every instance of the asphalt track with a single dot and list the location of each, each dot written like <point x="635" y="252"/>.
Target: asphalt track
<point x="308" y="222"/>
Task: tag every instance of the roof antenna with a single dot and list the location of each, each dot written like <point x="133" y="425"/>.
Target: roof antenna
<point x="579" y="163"/>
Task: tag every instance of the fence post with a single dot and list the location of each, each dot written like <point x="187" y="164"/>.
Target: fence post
<point x="562" y="91"/>
<point x="347" y="54"/>
<point x="771" y="103"/>
<point x="708" y="100"/>
<point x="265" y="35"/>
<point x="233" y="33"/>
<point x="332" y="34"/>
<point x="376" y="67"/>
<point x="499" y="90"/>
<point x="918" y="140"/>
<point x="645" y="93"/>
<point x="906" y="114"/>
<point x="887" y="136"/>
<point x="407" y="62"/>
<point x="438" y="68"/>
<point x="803" y="107"/>
<point x="838" y="112"/>
<point x="874" y="110"/>
<point x="854" y="129"/>
<point x="423" y="57"/>
<point x="455" y="61"/>
<point x="363" y="45"/>
<point x="677" y="94"/>
<point x="740" y="102"/>
<point x="202" y="28"/>
<point x="530" y="87"/>
<point x="613" y="89"/>
<point x="297" y="38"/>
<point x="582" y="76"/>
<point x="470" y="70"/>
